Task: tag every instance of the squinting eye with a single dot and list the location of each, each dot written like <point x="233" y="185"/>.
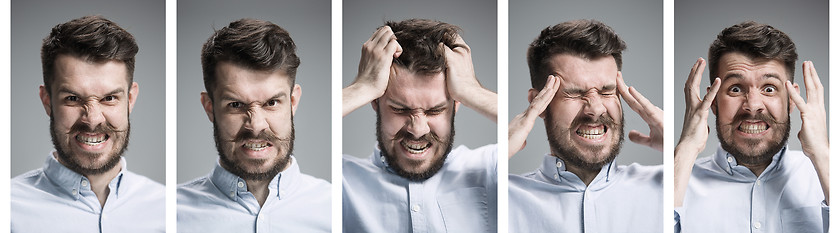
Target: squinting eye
<point x="272" y="103"/>
<point x="770" y="89"/>
<point x="735" y="89"/>
<point x="235" y="104"/>
<point x="434" y="112"/>
<point x="71" y="98"/>
<point x="109" y="98"/>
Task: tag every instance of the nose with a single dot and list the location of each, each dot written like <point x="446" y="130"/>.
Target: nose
<point x="594" y="106"/>
<point x="93" y="114"/>
<point x="418" y="125"/>
<point x="754" y="102"/>
<point x="256" y="121"/>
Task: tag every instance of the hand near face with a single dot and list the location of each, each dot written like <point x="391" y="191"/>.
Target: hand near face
<point x="461" y="82"/>
<point x="378" y="53"/>
<point x="814" y="133"/>
<point x="649" y="113"/>
<point x="695" y="125"/>
<point x="521" y="125"/>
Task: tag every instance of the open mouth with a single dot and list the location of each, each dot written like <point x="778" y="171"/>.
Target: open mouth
<point x="256" y="145"/>
<point x="92" y="139"/>
<point x="415" y="147"/>
<point x="590" y="132"/>
<point x="753" y="127"/>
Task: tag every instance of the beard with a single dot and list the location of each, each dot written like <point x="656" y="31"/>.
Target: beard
<point x="563" y="147"/>
<point x="75" y="161"/>
<point x="432" y="137"/>
<point x="751" y="152"/>
<point x="248" y="169"/>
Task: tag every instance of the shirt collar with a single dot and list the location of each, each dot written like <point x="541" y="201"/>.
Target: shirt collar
<point x="231" y="185"/>
<point x="70" y="182"/>
<point x="727" y="162"/>
<point x="554" y="168"/>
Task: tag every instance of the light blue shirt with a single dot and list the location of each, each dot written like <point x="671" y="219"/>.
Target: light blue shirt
<point x="619" y="199"/>
<point x="221" y="202"/>
<point x="461" y="197"/>
<point x="723" y="196"/>
<point x="57" y="199"/>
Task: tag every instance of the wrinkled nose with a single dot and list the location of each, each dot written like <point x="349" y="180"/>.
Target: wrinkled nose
<point x="256" y="121"/>
<point x="754" y="102"/>
<point x="93" y="114"/>
<point x="418" y="125"/>
<point x="594" y="106"/>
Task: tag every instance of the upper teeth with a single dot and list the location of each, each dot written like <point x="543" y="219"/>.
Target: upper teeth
<point x="90" y="139"/>
<point x="592" y="133"/>
<point x="415" y="148"/>
<point x="752" y="127"/>
<point x="256" y="146"/>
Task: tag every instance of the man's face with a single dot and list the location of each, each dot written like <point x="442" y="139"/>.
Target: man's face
<point x="584" y="122"/>
<point x="415" y="123"/>
<point x="252" y="115"/>
<point x="752" y="107"/>
<point x="88" y="107"/>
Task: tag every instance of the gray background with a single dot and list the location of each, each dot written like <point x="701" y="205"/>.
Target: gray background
<point x="638" y="23"/>
<point x="308" y="22"/>
<point x="32" y="20"/>
<point x="696" y="25"/>
<point x="477" y="19"/>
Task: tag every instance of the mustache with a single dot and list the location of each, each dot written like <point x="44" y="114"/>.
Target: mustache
<point x="429" y="137"/>
<point x="266" y="135"/>
<point x="604" y="119"/>
<point x="758" y="116"/>
<point x="105" y="128"/>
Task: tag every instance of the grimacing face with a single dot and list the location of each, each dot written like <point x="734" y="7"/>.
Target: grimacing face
<point x="252" y="113"/>
<point x="752" y="107"/>
<point x="415" y="123"/>
<point x="88" y="106"/>
<point x="584" y="122"/>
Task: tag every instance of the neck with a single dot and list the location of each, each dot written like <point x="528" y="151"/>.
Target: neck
<point x="259" y="188"/>
<point x="585" y="175"/>
<point x="99" y="182"/>
<point x="756" y="169"/>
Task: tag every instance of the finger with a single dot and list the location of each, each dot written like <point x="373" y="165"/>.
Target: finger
<point x="815" y="91"/>
<point x="622" y="89"/>
<point x="694" y="79"/>
<point x="543" y="98"/>
<point x="383" y="39"/>
<point x="650" y="110"/>
<point x="639" y="138"/>
<point x="797" y="100"/>
<point x="393" y="47"/>
<point x="809" y="83"/>
<point x="376" y="33"/>
<point x="710" y="96"/>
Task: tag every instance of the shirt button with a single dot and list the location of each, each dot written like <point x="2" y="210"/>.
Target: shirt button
<point x="84" y="183"/>
<point x="75" y="192"/>
<point x="729" y="159"/>
<point x="382" y="158"/>
<point x="758" y="182"/>
<point x="415" y="208"/>
<point x="559" y="164"/>
<point x="240" y="184"/>
<point x="232" y="193"/>
<point x="556" y="176"/>
<point x="757" y="225"/>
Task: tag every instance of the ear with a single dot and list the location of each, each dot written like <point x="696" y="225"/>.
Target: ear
<point x="133" y="92"/>
<point x="45" y="99"/>
<point x="375" y="105"/>
<point x="790" y="99"/>
<point x="532" y="93"/>
<point x="208" y="105"/>
<point x="296" y="92"/>
<point x="714" y="102"/>
<point x="457" y="104"/>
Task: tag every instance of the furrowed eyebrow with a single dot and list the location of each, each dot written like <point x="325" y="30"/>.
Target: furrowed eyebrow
<point x="226" y="97"/>
<point x="403" y="106"/>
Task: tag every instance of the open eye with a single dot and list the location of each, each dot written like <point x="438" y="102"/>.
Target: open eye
<point x="109" y="98"/>
<point x="236" y="105"/>
<point x="769" y="89"/>
<point x="271" y="103"/>
<point x="72" y="98"/>
<point x="735" y="89"/>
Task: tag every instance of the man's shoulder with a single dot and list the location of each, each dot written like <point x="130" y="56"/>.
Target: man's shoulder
<point x="640" y="172"/>
<point x="313" y="184"/>
<point x="28" y="178"/>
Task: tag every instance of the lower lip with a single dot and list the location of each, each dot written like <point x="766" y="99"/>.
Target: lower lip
<point x="412" y="156"/>
<point x="92" y="148"/>
<point x="261" y="154"/>
<point x="594" y="140"/>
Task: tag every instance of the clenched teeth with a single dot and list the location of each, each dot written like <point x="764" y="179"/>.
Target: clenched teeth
<point x="415" y="148"/>
<point x="91" y="140"/>
<point x="255" y="146"/>
<point x="591" y="133"/>
<point x="752" y="128"/>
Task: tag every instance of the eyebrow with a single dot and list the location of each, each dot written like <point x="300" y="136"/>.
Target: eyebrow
<point x="67" y="90"/>
<point x="403" y="106"/>
<point x="739" y="76"/>
<point x="578" y="90"/>
<point x="279" y="95"/>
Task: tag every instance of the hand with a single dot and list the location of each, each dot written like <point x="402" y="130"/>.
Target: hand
<point x="814" y="133"/>
<point x="378" y="53"/>
<point x="649" y="113"/>
<point x="695" y="130"/>
<point x="461" y="82"/>
<point x="520" y="126"/>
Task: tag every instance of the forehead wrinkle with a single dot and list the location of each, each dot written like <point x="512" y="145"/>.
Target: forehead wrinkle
<point x="393" y="102"/>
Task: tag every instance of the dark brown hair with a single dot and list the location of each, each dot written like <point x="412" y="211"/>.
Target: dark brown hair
<point x="756" y="41"/>
<point x="419" y="39"/>
<point x="254" y="44"/>
<point x="91" y="38"/>
<point x="588" y="39"/>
